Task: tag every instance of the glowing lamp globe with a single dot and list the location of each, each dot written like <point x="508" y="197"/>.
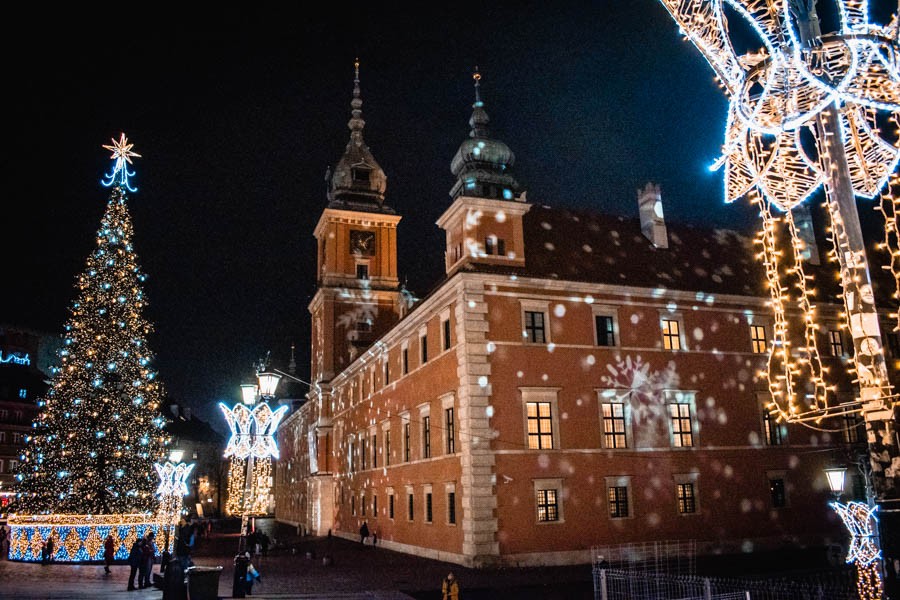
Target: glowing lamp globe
<point x="175" y="456"/>
<point x="248" y="393"/>
<point x="268" y="382"/>
<point x="836" y="477"/>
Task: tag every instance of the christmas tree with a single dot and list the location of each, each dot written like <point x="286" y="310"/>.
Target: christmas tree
<point x="93" y="446"/>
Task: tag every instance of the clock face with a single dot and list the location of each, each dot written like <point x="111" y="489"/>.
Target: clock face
<point x="362" y="242"/>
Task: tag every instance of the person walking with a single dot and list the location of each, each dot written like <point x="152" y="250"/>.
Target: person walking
<point x="450" y="588"/>
<point x="252" y="574"/>
<point x="148" y="549"/>
<point x="135" y="560"/>
<point x="363" y="533"/>
<point x="109" y="552"/>
<point x="51" y="549"/>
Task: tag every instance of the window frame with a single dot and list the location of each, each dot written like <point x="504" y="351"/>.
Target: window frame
<point x="428" y="504"/>
<point x="535" y="306"/>
<point x="678" y="319"/>
<point x="390" y="494"/>
<point x="450" y="511"/>
<point x="448" y="427"/>
<point x="423" y="345"/>
<point x="612" y="312"/>
<point x="691" y="479"/>
<point x="682" y="398"/>
<point x="547" y="484"/>
<point x="410" y="504"/>
<point x="362" y="266"/>
<point x="425" y="450"/>
<point x="620" y="481"/>
<point x="541" y="395"/>
<point x="405" y="429"/>
<point x="615" y="396"/>
<point x="832" y="343"/>
<point x="767" y="420"/>
<point x="404" y="358"/>
<point x="386" y="442"/>
<point x="772" y="476"/>
<point x="445" y="330"/>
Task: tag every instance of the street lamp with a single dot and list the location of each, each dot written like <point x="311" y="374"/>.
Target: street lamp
<point x="248" y="393"/>
<point x="836" y="477"/>
<point x="268" y="382"/>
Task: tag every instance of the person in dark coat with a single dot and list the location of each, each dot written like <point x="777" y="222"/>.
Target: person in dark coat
<point x="183" y="544"/>
<point x="363" y="533"/>
<point x="51" y="550"/>
<point x="109" y="552"/>
<point x="173" y="581"/>
<point x="135" y="560"/>
<point x="148" y="549"/>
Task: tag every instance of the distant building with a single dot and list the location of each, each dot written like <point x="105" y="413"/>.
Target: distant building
<point x="573" y="379"/>
<point x="26" y="357"/>
<point x="194" y="441"/>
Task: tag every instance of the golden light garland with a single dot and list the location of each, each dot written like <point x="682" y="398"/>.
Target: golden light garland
<point x="888" y="207"/>
<point x="236" y="474"/>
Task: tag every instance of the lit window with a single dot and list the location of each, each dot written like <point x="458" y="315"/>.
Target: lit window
<point x="687" y="504"/>
<point x="773" y="431"/>
<point x="671" y="332"/>
<point x="777" y="492"/>
<point x="758" y="339"/>
<point x="547" y="506"/>
<point x="682" y="434"/>
<point x="362" y="271"/>
<point x="534" y="327"/>
<point x="540" y="425"/>
<point x="614" y="425"/>
<point x="837" y="342"/>
<point x="605" y="328"/>
<point x="617" y="496"/>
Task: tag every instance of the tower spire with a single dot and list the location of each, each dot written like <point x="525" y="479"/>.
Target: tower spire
<point x="356" y="123"/>
<point x="479" y="119"/>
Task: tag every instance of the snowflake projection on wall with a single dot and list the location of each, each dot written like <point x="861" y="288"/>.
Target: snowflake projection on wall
<point x="861" y="522"/>
<point x="645" y="391"/>
<point x="806" y="110"/>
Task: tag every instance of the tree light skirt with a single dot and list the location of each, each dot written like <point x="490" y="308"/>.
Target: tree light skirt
<point x="80" y="538"/>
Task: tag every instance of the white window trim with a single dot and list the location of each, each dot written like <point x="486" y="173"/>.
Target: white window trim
<point x="410" y="491"/>
<point x="404" y="349"/>
<point x="446" y="345"/>
<point x="448" y="400"/>
<point x="561" y="493"/>
<point x="542" y="306"/>
<point x="605" y="310"/>
<point x="673" y="316"/>
<point x="449" y="488"/>
<point x="404" y="420"/>
<point x="615" y="395"/>
<point x="694" y="479"/>
<point x="425" y="411"/>
<point x="541" y="394"/>
<point x="388" y="494"/>
<point x="683" y="397"/>
<point x="620" y="481"/>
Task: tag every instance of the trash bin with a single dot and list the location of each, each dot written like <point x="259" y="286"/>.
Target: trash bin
<point x="203" y="582"/>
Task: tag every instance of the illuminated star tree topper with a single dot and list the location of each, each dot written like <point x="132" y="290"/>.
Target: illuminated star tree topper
<point x="122" y="155"/>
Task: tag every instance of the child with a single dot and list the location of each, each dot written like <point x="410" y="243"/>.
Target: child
<point x="252" y="574"/>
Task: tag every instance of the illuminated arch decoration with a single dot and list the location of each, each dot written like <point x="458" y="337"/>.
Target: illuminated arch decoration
<point x="252" y="438"/>
<point x="861" y="521"/>
<point x="775" y="153"/>
<point x="80" y="538"/>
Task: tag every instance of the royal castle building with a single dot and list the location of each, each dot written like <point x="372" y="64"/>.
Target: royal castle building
<point x="573" y="379"/>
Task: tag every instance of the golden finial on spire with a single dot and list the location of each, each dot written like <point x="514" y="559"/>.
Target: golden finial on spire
<point x="356" y="66"/>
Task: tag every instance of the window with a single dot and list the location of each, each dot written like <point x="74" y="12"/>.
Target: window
<point x="2" y="437"/>
<point x="350" y="453"/>
<point x="547" y="506"/>
<point x="451" y="434"/>
<point x="836" y="340"/>
<point x="778" y="492"/>
<point x="406" y="441"/>
<point x="352" y="505"/>
<point x="758" y="339"/>
<point x="426" y="437"/>
<point x="360" y="175"/>
<point x="534" y="327"/>
<point x="1" y="466"/>
<point x="445" y="327"/>
<point x="362" y="271"/>
<point x="851" y="427"/>
<point x="362" y="504"/>
<point x="405" y="358"/>
<point x="387" y="447"/>
<point x="451" y="505"/>
<point x="489" y="245"/>
<point x="671" y="332"/>
<point x="687" y="504"/>
<point x="363" y="453"/>
<point x="390" y="506"/>
<point x="617" y="497"/>
<point x="13" y="465"/>
<point x="4" y="414"/>
<point x="606" y="335"/>
<point x="501" y="247"/>
<point x="540" y="425"/>
<point x="17" y="437"/>
<point x="428" y="513"/>
<point x="374" y="505"/>
<point x="387" y="372"/>
<point x="23" y="393"/>
<point x="893" y="343"/>
<point x="772" y="430"/>
<point x="374" y="451"/>
<point x="614" y="435"/>
<point x="680" y="418"/>
<point x="423" y="344"/>
<point x="410" y="512"/>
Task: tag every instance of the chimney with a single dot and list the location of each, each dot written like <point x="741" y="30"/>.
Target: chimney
<point x="653" y="225"/>
<point x="804" y="223"/>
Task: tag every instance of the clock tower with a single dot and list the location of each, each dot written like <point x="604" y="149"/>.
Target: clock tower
<point x="357" y="292"/>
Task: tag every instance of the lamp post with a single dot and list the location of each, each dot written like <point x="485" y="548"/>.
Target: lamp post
<point x="836" y="477"/>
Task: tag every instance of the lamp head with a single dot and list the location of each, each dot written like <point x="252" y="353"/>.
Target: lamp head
<point x="836" y="477"/>
<point x="268" y="383"/>
<point x="248" y="393"/>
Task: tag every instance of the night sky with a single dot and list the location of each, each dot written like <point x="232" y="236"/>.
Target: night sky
<point x="237" y="116"/>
